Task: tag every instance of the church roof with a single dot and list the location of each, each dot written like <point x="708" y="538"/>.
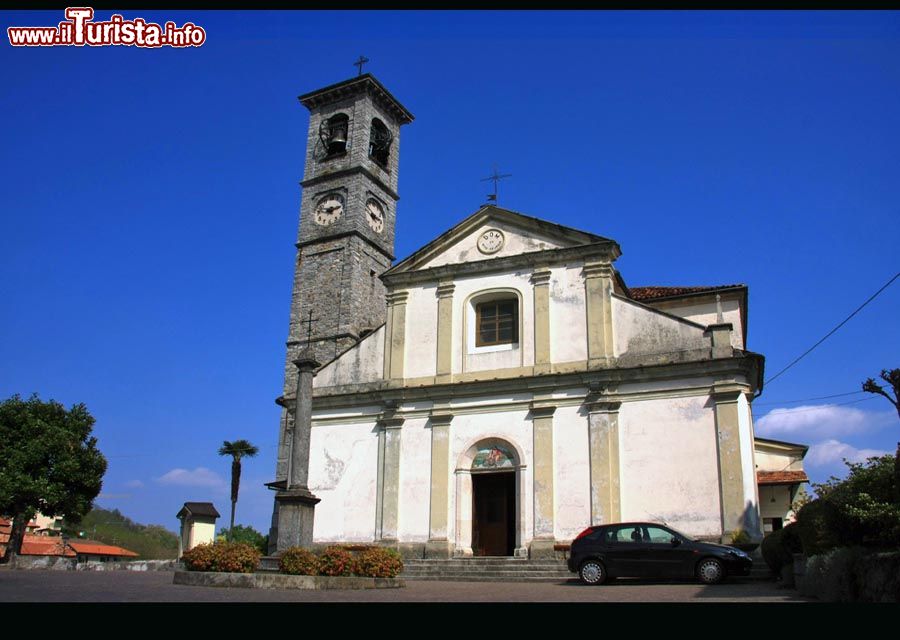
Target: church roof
<point x="203" y="509"/>
<point x="657" y="293"/>
<point x="568" y="235"/>
<point x="360" y="84"/>
<point x="781" y="477"/>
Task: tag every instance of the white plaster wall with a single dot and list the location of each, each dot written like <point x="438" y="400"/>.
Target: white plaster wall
<point x="748" y="464"/>
<point x="641" y="331"/>
<point x="421" y="331"/>
<point x="415" y="480"/>
<point x="782" y="504"/>
<point x="669" y="463"/>
<point x="705" y="313"/>
<point x="362" y="363"/>
<point x="465" y="357"/>
<point x="516" y="241"/>
<point x="467" y="429"/>
<point x="342" y="472"/>
<point x="768" y="460"/>
<point x="568" y="314"/>
<point x="203" y="533"/>
<point x="572" y="472"/>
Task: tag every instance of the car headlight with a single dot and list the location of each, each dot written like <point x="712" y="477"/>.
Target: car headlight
<point x="739" y="553"/>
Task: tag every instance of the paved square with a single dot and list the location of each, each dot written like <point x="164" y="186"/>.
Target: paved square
<point x="124" y="586"/>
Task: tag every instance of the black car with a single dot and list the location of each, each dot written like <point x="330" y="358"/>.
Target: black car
<point x="650" y="550"/>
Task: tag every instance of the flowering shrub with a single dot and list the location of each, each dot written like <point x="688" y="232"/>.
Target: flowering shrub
<point x="228" y="557"/>
<point x="299" y="562"/>
<point x="378" y="562"/>
<point x="336" y="561"/>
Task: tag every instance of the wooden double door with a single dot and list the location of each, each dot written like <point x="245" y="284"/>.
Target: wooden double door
<point x="494" y="513"/>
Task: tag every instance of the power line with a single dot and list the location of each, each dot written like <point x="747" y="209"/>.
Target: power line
<point x="827" y="335"/>
<point x="836" y="395"/>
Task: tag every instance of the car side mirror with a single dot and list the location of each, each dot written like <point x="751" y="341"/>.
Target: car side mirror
<point x="675" y="541"/>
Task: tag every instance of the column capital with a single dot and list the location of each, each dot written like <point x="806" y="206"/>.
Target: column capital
<point x="306" y="362"/>
<point x="603" y="406"/>
<point x="728" y="392"/>
<point x="440" y="418"/>
<point x="396" y="297"/>
<point x="389" y="418"/>
<point x="541" y="276"/>
<point x="597" y="269"/>
<point x="445" y="289"/>
<point x="542" y="409"/>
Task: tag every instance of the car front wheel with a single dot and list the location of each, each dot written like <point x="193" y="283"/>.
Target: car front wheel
<point x="592" y="572"/>
<point x="710" y="571"/>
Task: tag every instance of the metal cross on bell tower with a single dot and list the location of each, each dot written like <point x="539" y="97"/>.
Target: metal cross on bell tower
<point x="359" y="64"/>
<point x="495" y="177"/>
<point x="309" y="323"/>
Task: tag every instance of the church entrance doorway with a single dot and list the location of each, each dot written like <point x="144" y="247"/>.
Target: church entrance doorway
<point x="493" y="513"/>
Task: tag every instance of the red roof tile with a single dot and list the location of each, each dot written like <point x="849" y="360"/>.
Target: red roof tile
<point x="40" y="546"/>
<point x="654" y="293"/>
<point x="90" y="547"/>
<point x="781" y="477"/>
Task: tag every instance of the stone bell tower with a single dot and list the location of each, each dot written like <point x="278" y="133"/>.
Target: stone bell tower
<point x="348" y="212"/>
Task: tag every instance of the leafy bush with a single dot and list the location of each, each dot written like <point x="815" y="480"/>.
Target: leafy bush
<point x="779" y="546"/>
<point x="336" y="561"/>
<point x="378" y="562"/>
<point x="242" y="533"/>
<point x="739" y="536"/>
<point x="228" y="557"/>
<point x="830" y="576"/>
<point x="299" y="562"/>
<point x="857" y="511"/>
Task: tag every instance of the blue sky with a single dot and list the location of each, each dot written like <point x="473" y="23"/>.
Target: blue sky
<point x="149" y="203"/>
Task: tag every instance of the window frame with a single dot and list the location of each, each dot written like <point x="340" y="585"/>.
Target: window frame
<point x="479" y="306"/>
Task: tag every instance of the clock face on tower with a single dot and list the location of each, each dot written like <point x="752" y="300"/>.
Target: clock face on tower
<point x="329" y="209"/>
<point x="375" y="215"/>
<point x="491" y="241"/>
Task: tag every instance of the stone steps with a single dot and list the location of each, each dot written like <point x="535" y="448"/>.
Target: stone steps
<point x="486" y="570"/>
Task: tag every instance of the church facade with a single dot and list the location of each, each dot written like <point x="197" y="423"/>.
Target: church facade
<point x="501" y="388"/>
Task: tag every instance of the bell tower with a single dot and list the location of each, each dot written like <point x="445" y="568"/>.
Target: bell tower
<point x="347" y="215"/>
<point x="348" y="211"/>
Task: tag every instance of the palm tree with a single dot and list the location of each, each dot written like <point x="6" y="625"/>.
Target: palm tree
<point x="237" y="450"/>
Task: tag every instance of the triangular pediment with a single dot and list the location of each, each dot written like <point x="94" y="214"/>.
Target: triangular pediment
<point x="492" y="233"/>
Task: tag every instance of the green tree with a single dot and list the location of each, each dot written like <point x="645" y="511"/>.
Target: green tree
<point x="856" y="511"/>
<point x="50" y="463"/>
<point x="241" y="533"/>
<point x="892" y="377"/>
<point x="237" y="450"/>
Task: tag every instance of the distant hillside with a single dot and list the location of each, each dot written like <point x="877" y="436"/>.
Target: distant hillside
<point x="152" y="542"/>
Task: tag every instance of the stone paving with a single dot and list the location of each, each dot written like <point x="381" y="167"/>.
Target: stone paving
<point x="125" y="586"/>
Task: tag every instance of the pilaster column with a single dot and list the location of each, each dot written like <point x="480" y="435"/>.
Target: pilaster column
<point x="296" y="504"/>
<point x="540" y="280"/>
<point x="598" y="290"/>
<point x="720" y="335"/>
<point x="438" y="545"/>
<point x="395" y="335"/>
<point x="728" y="442"/>
<point x="387" y="503"/>
<point x="603" y="439"/>
<point x="445" y="331"/>
<point x="542" y="410"/>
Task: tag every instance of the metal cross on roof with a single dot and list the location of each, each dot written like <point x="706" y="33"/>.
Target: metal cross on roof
<point x="308" y="324"/>
<point x="359" y="63"/>
<point x="496" y="177"/>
